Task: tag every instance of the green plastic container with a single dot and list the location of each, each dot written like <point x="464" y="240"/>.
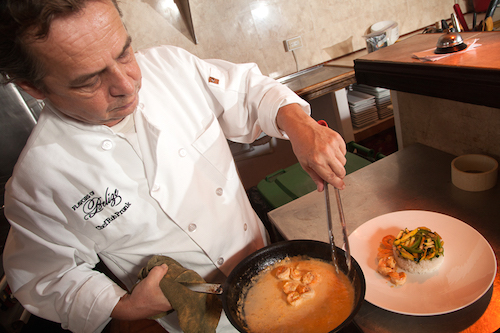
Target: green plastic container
<point x="291" y="183"/>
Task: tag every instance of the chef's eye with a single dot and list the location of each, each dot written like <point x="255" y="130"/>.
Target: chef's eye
<point x="90" y="84"/>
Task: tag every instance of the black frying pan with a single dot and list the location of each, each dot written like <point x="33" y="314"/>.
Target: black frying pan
<point x="242" y="274"/>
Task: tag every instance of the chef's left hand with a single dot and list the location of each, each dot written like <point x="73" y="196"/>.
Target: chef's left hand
<point x="320" y="150"/>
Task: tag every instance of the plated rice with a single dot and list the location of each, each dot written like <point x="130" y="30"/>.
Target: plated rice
<point x="418" y="251"/>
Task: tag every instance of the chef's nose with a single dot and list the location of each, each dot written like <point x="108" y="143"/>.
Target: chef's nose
<point x="122" y="81"/>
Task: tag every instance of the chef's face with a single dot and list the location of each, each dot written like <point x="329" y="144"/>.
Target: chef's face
<point x="92" y="74"/>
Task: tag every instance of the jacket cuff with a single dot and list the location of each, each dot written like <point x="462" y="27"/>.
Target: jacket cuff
<point x="93" y="305"/>
<point x="273" y="100"/>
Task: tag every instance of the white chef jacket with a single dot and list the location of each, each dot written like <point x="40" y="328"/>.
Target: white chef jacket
<point x="82" y="192"/>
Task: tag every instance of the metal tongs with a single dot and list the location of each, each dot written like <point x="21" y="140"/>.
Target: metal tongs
<point x="330" y="223"/>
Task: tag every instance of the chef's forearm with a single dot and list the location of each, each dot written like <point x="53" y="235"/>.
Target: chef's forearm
<point x="146" y="300"/>
<point x="127" y="309"/>
<point x="291" y="118"/>
<point x="320" y="150"/>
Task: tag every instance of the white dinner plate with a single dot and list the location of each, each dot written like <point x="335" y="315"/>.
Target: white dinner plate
<point x="466" y="274"/>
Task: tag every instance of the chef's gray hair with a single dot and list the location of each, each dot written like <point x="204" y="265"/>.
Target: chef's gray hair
<point x="22" y="21"/>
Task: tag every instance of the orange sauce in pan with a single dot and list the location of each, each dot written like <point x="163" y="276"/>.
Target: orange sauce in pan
<point x="266" y="308"/>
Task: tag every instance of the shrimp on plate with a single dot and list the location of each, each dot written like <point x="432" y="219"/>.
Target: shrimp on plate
<point x="387" y="264"/>
<point x="398" y="278"/>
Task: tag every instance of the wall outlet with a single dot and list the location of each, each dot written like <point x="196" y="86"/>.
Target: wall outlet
<point x="293" y="43"/>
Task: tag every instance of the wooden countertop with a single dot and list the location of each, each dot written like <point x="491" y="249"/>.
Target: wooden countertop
<point x="470" y="77"/>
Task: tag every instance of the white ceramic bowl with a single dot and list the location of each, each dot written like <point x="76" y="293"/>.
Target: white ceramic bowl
<point x="474" y="172"/>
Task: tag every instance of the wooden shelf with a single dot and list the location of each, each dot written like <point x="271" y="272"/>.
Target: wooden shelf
<point x="372" y="129"/>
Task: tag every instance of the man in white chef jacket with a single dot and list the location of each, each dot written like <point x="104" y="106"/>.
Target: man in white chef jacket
<point x="129" y="159"/>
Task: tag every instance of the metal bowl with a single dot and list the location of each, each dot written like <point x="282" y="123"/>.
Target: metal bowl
<point x="450" y="42"/>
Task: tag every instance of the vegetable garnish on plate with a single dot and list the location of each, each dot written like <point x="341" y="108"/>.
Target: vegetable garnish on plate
<point x="419" y="250"/>
<point x="419" y="244"/>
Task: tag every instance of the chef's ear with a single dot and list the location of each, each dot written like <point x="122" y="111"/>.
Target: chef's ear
<point x="29" y="88"/>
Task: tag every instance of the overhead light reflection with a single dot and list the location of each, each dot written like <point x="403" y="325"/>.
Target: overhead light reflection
<point x="260" y="12"/>
<point x="166" y="5"/>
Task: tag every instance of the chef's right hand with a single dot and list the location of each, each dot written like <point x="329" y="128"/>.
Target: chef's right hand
<point x="146" y="300"/>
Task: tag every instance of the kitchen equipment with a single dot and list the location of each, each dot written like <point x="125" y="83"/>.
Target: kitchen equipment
<point x="491" y="8"/>
<point x="330" y="227"/>
<point x="390" y="28"/>
<point x="285" y="185"/>
<point x="445" y="27"/>
<point x="474" y="172"/>
<point x="330" y="223"/>
<point x="242" y="276"/>
<point x="375" y="41"/>
<point x="19" y="113"/>
<point x="456" y="25"/>
<point x="487" y="24"/>
<point x="344" y="230"/>
<point x="460" y="17"/>
<point x="206" y="288"/>
<point x="450" y="42"/>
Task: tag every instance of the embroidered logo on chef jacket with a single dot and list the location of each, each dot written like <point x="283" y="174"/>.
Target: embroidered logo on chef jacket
<point x="213" y="80"/>
<point x="92" y="204"/>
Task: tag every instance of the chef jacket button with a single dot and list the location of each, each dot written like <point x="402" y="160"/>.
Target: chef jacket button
<point x="245" y="227"/>
<point x="107" y="145"/>
<point x="192" y="227"/>
<point x="156" y="187"/>
<point x="220" y="261"/>
<point x="182" y="152"/>
<point x="219" y="191"/>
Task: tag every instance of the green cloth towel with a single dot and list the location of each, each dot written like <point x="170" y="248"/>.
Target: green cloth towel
<point x="197" y="312"/>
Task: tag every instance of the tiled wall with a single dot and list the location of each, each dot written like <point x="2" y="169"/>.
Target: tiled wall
<point x="254" y="31"/>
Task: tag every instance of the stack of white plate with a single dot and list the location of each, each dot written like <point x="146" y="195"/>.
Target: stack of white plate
<point x="362" y="107"/>
<point x="382" y="98"/>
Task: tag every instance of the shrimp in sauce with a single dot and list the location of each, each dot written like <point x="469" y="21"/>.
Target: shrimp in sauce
<point x="296" y="283"/>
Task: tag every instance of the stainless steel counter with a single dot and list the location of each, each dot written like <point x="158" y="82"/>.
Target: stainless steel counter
<point x="415" y="178"/>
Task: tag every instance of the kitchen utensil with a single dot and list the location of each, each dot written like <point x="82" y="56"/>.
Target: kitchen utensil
<point x="330" y="223"/>
<point x="456" y="25"/>
<point x="444" y="25"/>
<point x="243" y="276"/>
<point x="460" y="17"/>
<point x="450" y="42"/>
<point x="206" y="288"/>
<point x="330" y="227"/>
<point x="487" y="24"/>
<point x="491" y="8"/>
<point x="344" y="230"/>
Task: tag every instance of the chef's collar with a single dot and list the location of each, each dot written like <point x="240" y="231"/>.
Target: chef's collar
<point x="126" y="125"/>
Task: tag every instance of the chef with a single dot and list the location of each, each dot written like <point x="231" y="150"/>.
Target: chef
<point x="129" y="159"/>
